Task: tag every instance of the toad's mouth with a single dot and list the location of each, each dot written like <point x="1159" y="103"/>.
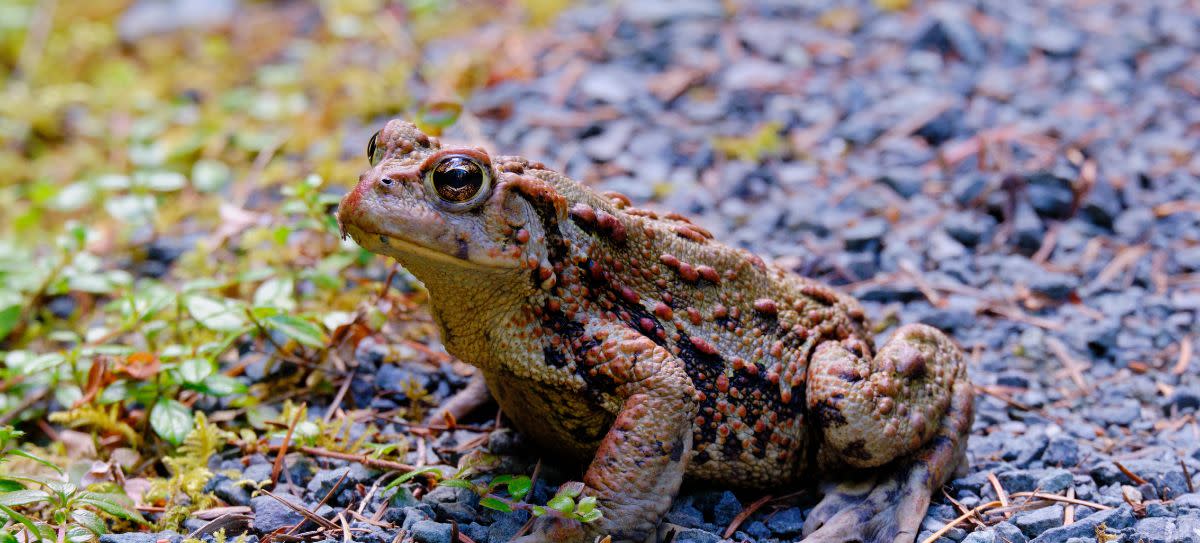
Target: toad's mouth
<point x="399" y="248"/>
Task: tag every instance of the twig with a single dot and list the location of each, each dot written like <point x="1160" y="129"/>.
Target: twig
<point x="1000" y="493"/>
<point x="1137" y="480"/>
<point x="1180" y="206"/>
<point x="1187" y="476"/>
<point x="341" y="394"/>
<point x="1069" y="509"/>
<point x="1185" y="356"/>
<point x="361" y="459"/>
<point x="321" y="521"/>
<point x="1125" y="258"/>
<point x="284" y="446"/>
<point x="744" y="514"/>
<point x="950" y="525"/>
<point x="1069" y="362"/>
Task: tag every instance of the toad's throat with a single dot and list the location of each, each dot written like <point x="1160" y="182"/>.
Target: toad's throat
<point x="402" y="249"/>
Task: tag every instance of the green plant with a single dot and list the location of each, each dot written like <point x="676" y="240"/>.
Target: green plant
<point x="566" y="502"/>
<point x="54" y="510"/>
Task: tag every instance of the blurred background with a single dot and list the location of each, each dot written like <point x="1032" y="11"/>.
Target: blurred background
<point x="1021" y="174"/>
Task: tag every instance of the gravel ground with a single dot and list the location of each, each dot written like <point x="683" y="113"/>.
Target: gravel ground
<point x="1024" y="176"/>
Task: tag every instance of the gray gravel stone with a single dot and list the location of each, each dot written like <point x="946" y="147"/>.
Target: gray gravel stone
<point x="1113" y="519"/>
<point x="696" y="536"/>
<point x="271" y="515"/>
<point x="1032" y="523"/>
<point x="786" y="523"/>
<point x="428" y="531"/>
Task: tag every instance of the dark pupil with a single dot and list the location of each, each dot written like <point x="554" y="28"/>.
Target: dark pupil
<point x="457" y="179"/>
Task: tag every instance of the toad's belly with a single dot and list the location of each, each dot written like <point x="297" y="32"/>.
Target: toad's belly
<point x="571" y="424"/>
<point x="564" y="423"/>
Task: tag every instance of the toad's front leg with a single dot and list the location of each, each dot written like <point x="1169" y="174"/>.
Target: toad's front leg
<point x="641" y="461"/>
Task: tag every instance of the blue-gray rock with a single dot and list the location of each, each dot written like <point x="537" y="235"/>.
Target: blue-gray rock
<point x="693" y="535"/>
<point x="1051" y="195"/>
<point x="1017" y="481"/>
<point x="685" y="514"/>
<point x="905" y="181"/>
<point x="1061" y="451"/>
<point x="1053" y="285"/>
<point x="1027" y="229"/>
<point x="1058" y="40"/>
<point x="476" y="531"/>
<point x="1032" y="523"/>
<point x="140" y="537"/>
<point x="503" y="529"/>
<point x="967" y="188"/>
<point x="1113" y="519"/>
<point x="758" y="530"/>
<point x="952" y="32"/>
<point x="1188" y="259"/>
<point x="726" y="509"/>
<point x="945" y="127"/>
<point x="1055" y="480"/>
<point x="1133" y="224"/>
<point x="455" y="503"/>
<point x="1183" y="400"/>
<point x="224" y="488"/>
<point x="257" y="472"/>
<point x="1190" y="500"/>
<point x="786" y="523"/>
<point x="428" y="531"/>
<point x="1009" y="533"/>
<point x="969" y="228"/>
<point x="866" y="235"/>
<point x="931" y="524"/>
<point x="323" y="481"/>
<point x="1157" y="530"/>
<point x="1102" y="205"/>
<point x="270" y="515"/>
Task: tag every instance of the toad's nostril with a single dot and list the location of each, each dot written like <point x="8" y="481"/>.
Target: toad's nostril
<point x="386" y="180"/>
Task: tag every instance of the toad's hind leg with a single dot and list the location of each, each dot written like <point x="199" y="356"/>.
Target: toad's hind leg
<point x="901" y="417"/>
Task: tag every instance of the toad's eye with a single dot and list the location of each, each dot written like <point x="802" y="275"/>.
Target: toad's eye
<point x="374" y="153"/>
<point x="461" y="182"/>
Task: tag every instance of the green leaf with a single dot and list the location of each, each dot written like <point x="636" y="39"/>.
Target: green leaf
<point x="195" y="370"/>
<point x="171" y="420"/>
<point x="23" y="497"/>
<point x="6" y="537"/>
<point x="9" y="485"/>
<point x="495" y="504"/>
<point x="24" y="520"/>
<point x="79" y="534"/>
<point x="275" y="292"/>
<point x="89" y="520"/>
<point x="562" y="504"/>
<point x="301" y="330"/>
<point x="9" y="317"/>
<point x="518" y="487"/>
<point x="210" y="175"/>
<point x="35" y="458"/>
<point x="458" y="483"/>
<point x="410" y="475"/>
<point x="117" y="505"/>
<point x="538" y="510"/>
<point x="590" y="516"/>
<point x="219" y="384"/>
<point x="160" y="180"/>
<point x="217" y="315"/>
<point x="586" y="505"/>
